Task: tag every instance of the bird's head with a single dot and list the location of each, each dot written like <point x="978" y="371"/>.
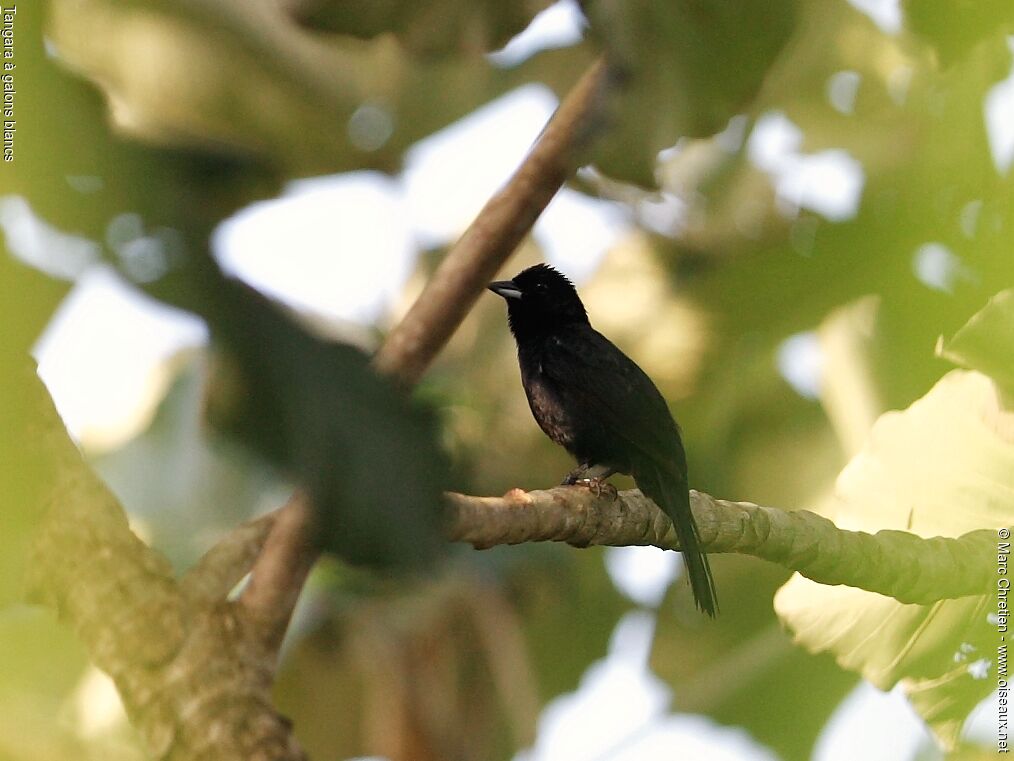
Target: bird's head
<point x="540" y="300"/>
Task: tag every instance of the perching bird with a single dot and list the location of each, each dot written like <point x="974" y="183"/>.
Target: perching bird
<point x="591" y="399"/>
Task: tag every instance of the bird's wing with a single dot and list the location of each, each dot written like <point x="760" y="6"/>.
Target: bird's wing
<point x="627" y="403"/>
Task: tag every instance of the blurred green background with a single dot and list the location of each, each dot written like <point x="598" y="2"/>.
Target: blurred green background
<point x="787" y="206"/>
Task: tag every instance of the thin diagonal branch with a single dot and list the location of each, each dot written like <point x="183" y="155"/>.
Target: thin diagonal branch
<point x="492" y="237"/>
<point x="222" y="567"/>
<point x="281" y="570"/>
<point x="907" y="567"/>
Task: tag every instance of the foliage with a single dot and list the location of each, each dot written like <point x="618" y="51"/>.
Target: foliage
<point x="226" y="100"/>
<point x="909" y="477"/>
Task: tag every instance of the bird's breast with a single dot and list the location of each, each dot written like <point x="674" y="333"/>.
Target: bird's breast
<point x="548" y="406"/>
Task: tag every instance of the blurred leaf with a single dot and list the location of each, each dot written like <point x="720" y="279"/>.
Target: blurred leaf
<point x="942" y="467"/>
<point x="682" y="70"/>
<point x="368" y="458"/>
<point x="928" y="649"/>
<point x="766" y="269"/>
<point x="236" y="78"/>
<point x="426" y="29"/>
<point x="366" y="455"/>
<point x="453" y="668"/>
<point x="183" y="487"/>
<point x="27" y="465"/>
<point x="986" y="342"/>
<point x="954" y="27"/>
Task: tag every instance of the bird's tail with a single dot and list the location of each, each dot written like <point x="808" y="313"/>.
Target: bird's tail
<point x="671" y="493"/>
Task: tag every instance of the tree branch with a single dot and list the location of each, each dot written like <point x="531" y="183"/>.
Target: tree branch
<point x="492" y="237"/>
<point x="222" y="567"/>
<point x="898" y="564"/>
<point x="194" y="680"/>
<point x="281" y="570"/>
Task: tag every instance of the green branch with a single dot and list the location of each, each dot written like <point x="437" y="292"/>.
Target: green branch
<point x="907" y="567"/>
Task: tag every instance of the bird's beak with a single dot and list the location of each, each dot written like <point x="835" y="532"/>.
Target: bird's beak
<point x="506" y="289"/>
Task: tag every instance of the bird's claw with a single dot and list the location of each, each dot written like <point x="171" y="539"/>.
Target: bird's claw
<point x="598" y="487"/>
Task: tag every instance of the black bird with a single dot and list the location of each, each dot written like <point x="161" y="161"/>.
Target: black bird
<point x="594" y="401"/>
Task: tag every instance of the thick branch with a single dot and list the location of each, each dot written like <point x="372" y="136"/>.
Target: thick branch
<point x="195" y="682"/>
<point x="901" y="565"/>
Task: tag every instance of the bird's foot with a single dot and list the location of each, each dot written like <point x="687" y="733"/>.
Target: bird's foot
<point x="588" y="472"/>
<point x="576" y="475"/>
<point x="598" y="487"/>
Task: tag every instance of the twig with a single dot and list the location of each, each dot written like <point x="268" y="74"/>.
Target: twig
<point x="492" y="237"/>
<point x="899" y="564"/>
<point x="222" y="567"/>
<point x="280" y="571"/>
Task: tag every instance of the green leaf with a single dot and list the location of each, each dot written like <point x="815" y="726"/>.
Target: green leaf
<point x="314" y="409"/>
<point x="31" y="455"/>
<point x="683" y="70"/>
<point x="986" y="342"/>
<point x="953" y="28"/>
<point x="229" y="79"/>
<point x="942" y="467"/>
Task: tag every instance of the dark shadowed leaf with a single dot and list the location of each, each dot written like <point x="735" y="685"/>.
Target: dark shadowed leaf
<point x="250" y="80"/>
<point x="366" y="455"/>
<point x="314" y="408"/>
<point x="464" y="27"/>
<point x="683" y="69"/>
